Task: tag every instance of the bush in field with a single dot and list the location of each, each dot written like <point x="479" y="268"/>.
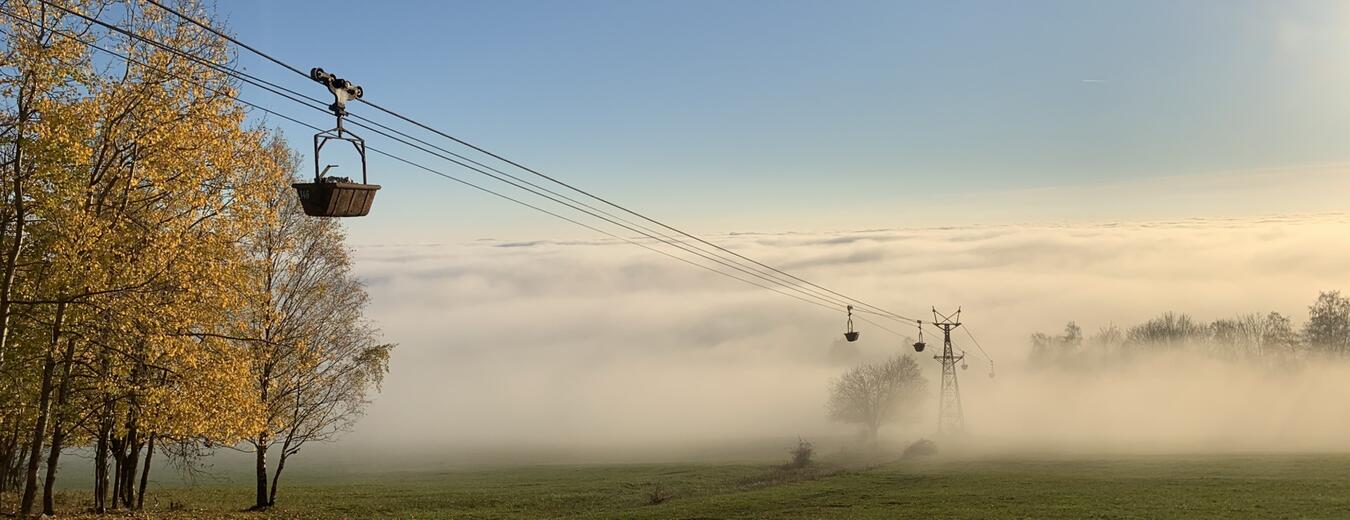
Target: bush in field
<point x="801" y="455"/>
<point x="657" y="493"/>
<point x="920" y="448"/>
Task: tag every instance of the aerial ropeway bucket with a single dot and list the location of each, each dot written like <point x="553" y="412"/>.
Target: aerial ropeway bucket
<point x="335" y="197"/>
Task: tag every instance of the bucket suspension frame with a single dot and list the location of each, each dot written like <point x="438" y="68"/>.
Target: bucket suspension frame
<point x="341" y="134"/>
<point x="343" y="91"/>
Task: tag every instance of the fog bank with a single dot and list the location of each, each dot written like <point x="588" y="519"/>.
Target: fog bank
<point x="592" y="343"/>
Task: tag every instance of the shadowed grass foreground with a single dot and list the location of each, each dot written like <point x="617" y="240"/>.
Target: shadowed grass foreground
<point x="1250" y="486"/>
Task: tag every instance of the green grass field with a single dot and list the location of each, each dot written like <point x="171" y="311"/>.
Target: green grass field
<point x="1190" y="486"/>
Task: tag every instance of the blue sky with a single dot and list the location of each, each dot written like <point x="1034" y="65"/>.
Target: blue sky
<point x="729" y="116"/>
<point x="815" y="117"/>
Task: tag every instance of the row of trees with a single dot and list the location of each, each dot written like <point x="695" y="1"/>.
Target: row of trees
<point x="160" y="290"/>
<point x="1270" y="337"/>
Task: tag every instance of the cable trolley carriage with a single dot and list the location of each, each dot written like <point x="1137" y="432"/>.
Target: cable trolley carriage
<point x="331" y="196"/>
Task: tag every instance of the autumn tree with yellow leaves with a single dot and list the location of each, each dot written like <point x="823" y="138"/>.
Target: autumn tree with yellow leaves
<point x="157" y="284"/>
<point x="314" y="358"/>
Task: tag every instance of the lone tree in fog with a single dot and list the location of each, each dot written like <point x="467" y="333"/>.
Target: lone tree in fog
<point x="873" y="395"/>
<point x="1328" y="327"/>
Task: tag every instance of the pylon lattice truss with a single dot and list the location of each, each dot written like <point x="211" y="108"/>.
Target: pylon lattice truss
<point x="951" y="418"/>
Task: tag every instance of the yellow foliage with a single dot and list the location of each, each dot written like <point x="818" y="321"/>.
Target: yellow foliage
<point x="141" y="188"/>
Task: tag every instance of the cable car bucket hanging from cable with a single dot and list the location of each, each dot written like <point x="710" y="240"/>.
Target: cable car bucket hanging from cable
<point x="851" y="334"/>
<point x="332" y="196"/>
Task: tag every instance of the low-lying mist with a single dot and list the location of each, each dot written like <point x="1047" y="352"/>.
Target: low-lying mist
<point x="596" y="347"/>
<point x="1175" y="400"/>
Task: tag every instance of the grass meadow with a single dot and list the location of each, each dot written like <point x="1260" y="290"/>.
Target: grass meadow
<point x="986" y="487"/>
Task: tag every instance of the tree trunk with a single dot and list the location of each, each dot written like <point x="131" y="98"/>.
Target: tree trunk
<point x="133" y="458"/>
<point x="44" y="410"/>
<point x="7" y="462"/>
<point x="19" y="463"/>
<point x="145" y="472"/>
<point x="119" y="457"/>
<point x="49" y="483"/>
<point x="133" y="443"/>
<point x="11" y="264"/>
<point x="281" y="465"/>
<point x="58" y="430"/>
<point x="260" y="468"/>
<point x="101" y="471"/>
<point x="105" y="426"/>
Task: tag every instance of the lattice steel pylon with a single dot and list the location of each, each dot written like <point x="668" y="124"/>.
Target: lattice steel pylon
<point x="951" y="418"/>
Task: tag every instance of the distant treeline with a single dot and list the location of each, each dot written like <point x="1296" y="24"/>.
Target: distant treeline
<point x="1255" y="336"/>
<point x="161" y="293"/>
